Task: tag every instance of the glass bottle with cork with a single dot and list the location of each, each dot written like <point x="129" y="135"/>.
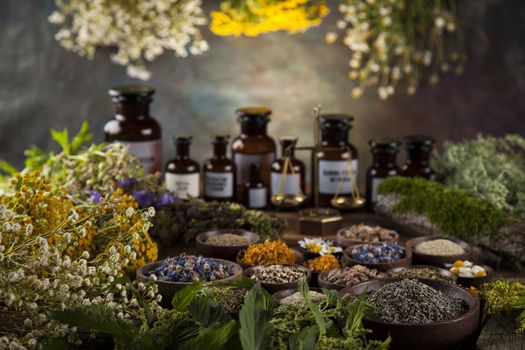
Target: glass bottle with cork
<point x="255" y="190"/>
<point x="219" y="172"/>
<point x="133" y="125"/>
<point x="384" y="165"/>
<point x="182" y="172"/>
<point x="334" y="155"/>
<point x="294" y="178"/>
<point x="419" y="148"/>
<point x="252" y="146"/>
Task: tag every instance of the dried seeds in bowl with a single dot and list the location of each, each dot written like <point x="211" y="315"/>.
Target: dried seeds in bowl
<point x="365" y="233"/>
<point x="439" y="247"/>
<point x="422" y="273"/>
<point x="229" y="240"/>
<point x="277" y="274"/>
<point x="350" y="276"/>
<point x="191" y="268"/>
<point x="298" y="300"/>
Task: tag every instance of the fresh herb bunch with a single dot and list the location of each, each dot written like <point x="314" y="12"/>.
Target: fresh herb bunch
<point x="453" y="211"/>
<point x="506" y="297"/>
<point x="491" y="167"/>
<point x="186" y="219"/>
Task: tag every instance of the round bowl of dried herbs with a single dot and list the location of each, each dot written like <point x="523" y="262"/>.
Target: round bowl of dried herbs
<point x="293" y="296"/>
<point x="173" y="274"/>
<point x="269" y="252"/>
<point x="338" y="279"/>
<point x="420" y="314"/>
<point x="224" y="244"/>
<point x="437" y="251"/>
<point x="422" y="272"/>
<point x="362" y="233"/>
<point x="380" y="256"/>
<point x="275" y="277"/>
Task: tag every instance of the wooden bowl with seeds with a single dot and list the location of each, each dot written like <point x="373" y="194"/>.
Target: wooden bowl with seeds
<point x="224" y="244"/>
<point x="420" y="258"/>
<point x="273" y="277"/>
<point x="422" y="272"/>
<point x="285" y="293"/>
<point x="406" y="260"/>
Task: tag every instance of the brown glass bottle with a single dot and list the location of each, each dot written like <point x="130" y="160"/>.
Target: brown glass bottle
<point x="253" y="145"/>
<point x="332" y="156"/>
<point x="383" y="166"/>
<point x="182" y="172"/>
<point x="133" y="125"/>
<point x="255" y="191"/>
<point x="219" y="173"/>
<point x="419" y="150"/>
<point x="294" y="182"/>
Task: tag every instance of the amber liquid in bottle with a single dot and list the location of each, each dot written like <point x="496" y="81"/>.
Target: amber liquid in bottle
<point x="255" y="191"/>
<point x="252" y="146"/>
<point x="383" y="166"/>
<point x="133" y="125"/>
<point x="419" y="152"/>
<point x="219" y="173"/>
<point x="294" y="182"/>
<point x="182" y="172"/>
<point x="333" y="155"/>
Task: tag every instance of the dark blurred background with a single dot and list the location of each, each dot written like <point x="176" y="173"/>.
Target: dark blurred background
<point x="44" y="86"/>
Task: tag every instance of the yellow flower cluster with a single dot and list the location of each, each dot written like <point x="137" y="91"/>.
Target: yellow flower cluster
<point x="323" y="263"/>
<point x="254" y="17"/>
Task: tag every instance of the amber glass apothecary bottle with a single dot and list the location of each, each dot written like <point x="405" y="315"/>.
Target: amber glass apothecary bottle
<point x="182" y="172"/>
<point x="133" y="125"/>
<point x="253" y="146"/>
<point x="219" y="172"/>
<point x="419" y="150"/>
<point x="334" y="155"/>
<point x="255" y="191"/>
<point x="294" y="181"/>
<point x="383" y="166"/>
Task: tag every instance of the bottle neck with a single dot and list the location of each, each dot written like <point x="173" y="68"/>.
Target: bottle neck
<point x="219" y="150"/>
<point x="419" y="157"/>
<point x="387" y="160"/>
<point x="334" y="137"/>
<point x="133" y="110"/>
<point x="183" y="151"/>
<point x="288" y="152"/>
<point x="254" y="129"/>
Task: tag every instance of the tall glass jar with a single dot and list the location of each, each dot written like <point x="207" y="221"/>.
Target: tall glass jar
<point x="253" y="146"/>
<point x="219" y="172"/>
<point x="383" y="166"/>
<point x="294" y="181"/>
<point x="133" y="125"/>
<point x="182" y="172"/>
<point x="419" y="150"/>
<point x="333" y="155"/>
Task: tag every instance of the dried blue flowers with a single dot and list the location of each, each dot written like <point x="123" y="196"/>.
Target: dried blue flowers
<point x="191" y="268"/>
<point x="378" y="253"/>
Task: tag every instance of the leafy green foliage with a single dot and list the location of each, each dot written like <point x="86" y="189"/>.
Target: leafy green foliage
<point x="506" y="297"/>
<point x="183" y="298"/>
<point x="219" y="338"/>
<point x="454" y="211"/>
<point x="207" y="313"/>
<point x="493" y="168"/>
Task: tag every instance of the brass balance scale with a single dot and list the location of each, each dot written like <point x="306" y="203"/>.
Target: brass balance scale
<point x="291" y="201"/>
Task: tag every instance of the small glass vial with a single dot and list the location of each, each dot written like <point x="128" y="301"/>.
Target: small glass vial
<point x="383" y="166"/>
<point x="182" y="172"/>
<point x="419" y="150"/>
<point x="219" y="172"/>
<point x="255" y="191"/>
<point x="294" y="181"/>
<point x="133" y="125"/>
<point x="253" y="145"/>
<point x="333" y="155"/>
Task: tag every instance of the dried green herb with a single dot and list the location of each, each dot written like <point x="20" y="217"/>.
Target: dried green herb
<point x="506" y="297"/>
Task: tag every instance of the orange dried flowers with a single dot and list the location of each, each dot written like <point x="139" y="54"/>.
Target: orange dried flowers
<point x="269" y="252"/>
<point x="323" y="263"/>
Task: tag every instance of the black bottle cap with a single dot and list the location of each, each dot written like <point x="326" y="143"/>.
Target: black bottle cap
<point x="287" y="141"/>
<point x="139" y="93"/>
<point x="420" y="142"/>
<point x="220" y="138"/>
<point x="388" y="146"/>
<point x="335" y="120"/>
<point x="255" y="114"/>
<point x="184" y="140"/>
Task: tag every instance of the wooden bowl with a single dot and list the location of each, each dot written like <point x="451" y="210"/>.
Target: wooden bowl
<point x="275" y="287"/>
<point x="442" y="335"/>
<point x="240" y="255"/>
<point x="382" y="267"/>
<point x="437" y="260"/>
<point x="223" y="252"/>
<point x="280" y="295"/>
<point x="323" y="283"/>
<point x="345" y="242"/>
<point x="443" y="272"/>
<point x="476" y="282"/>
<point x="168" y="289"/>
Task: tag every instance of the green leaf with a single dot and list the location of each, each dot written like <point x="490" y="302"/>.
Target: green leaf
<point x="151" y="317"/>
<point x="255" y="317"/>
<point x="305" y="339"/>
<point x="243" y="282"/>
<point x="318" y="315"/>
<point x="35" y="158"/>
<point x="331" y="296"/>
<point x="183" y="298"/>
<point x="62" y="138"/>
<point x="7" y="168"/>
<point x="207" y="313"/>
<point x="215" y="338"/>
<point x="83" y="136"/>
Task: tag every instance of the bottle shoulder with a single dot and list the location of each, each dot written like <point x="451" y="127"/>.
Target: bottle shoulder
<point x="122" y="129"/>
<point x="253" y="144"/>
<point x="182" y="166"/>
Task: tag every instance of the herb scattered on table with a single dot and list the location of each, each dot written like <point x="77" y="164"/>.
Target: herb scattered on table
<point x="507" y="298"/>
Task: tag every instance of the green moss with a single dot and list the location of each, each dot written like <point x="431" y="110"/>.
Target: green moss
<point x="454" y="211"/>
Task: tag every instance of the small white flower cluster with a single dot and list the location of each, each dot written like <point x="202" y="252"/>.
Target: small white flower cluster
<point x="141" y="30"/>
<point x="395" y="40"/>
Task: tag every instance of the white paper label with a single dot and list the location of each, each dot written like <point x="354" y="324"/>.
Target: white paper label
<point x="148" y="152"/>
<point x="375" y="182"/>
<point x="243" y="162"/>
<point x="333" y="172"/>
<point x="257" y="198"/>
<point x="291" y="184"/>
<point x="183" y="185"/>
<point x="218" y="185"/>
